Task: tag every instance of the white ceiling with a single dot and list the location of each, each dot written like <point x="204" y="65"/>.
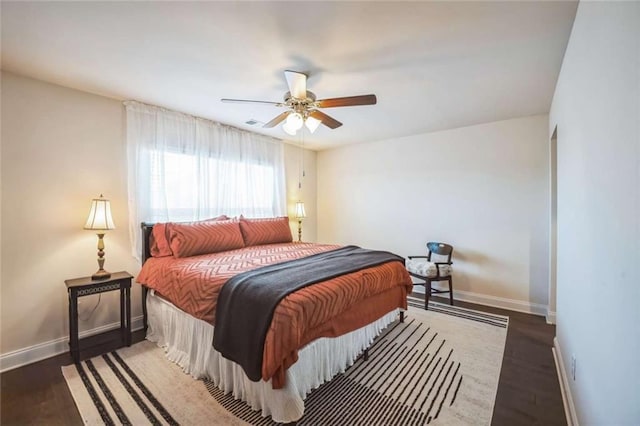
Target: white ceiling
<point x="433" y="66"/>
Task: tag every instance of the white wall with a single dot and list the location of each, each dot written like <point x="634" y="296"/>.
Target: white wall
<point x="60" y="148"/>
<point x="597" y="113"/>
<point x="483" y="189"/>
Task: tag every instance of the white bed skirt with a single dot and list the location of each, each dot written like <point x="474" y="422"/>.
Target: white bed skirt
<point x="188" y="342"/>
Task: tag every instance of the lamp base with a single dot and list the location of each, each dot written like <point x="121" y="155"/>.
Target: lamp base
<point x="101" y="274"/>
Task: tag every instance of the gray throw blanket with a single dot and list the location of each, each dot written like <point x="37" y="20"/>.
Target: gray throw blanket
<point x="247" y="301"/>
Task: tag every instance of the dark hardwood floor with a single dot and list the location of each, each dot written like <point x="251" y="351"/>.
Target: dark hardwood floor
<point x="37" y="394"/>
<point x="528" y="391"/>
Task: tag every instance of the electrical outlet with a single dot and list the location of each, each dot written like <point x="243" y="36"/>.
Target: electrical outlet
<point x="573" y="367"/>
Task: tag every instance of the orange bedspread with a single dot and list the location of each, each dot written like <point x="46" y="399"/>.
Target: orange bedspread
<point x="327" y="309"/>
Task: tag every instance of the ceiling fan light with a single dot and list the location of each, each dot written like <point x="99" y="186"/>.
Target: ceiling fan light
<point x="288" y="129"/>
<point x="294" y="121"/>
<point x="312" y="124"/>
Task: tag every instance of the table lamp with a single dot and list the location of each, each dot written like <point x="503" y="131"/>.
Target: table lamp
<point x="300" y="214"/>
<point x="100" y="220"/>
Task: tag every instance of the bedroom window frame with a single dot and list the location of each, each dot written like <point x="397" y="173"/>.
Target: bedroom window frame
<point x="230" y="187"/>
<point x="184" y="210"/>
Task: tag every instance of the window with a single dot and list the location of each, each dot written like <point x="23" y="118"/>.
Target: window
<point x="184" y="188"/>
<point x="183" y="168"/>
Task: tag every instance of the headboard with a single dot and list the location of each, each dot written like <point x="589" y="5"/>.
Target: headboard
<point x="146" y="234"/>
<point x="146" y="253"/>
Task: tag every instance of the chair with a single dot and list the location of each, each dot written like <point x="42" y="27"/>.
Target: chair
<point x="424" y="269"/>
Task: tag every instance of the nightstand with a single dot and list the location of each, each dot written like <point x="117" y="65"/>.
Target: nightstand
<point x="85" y="286"/>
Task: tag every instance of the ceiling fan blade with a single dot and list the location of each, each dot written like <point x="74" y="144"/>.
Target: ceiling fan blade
<point x="247" y="101"/>
<point x="279" y="119"/>
<point x="325" y="119"/>
<point x="347" y="101"/>
<point x="297" y="83"/>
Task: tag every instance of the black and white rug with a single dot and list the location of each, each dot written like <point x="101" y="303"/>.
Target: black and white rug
<point x="439" y="367"/>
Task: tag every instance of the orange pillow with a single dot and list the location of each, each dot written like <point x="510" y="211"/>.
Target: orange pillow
<point x="204" y="237"/>
<point x="159" y="241"/>
<point x="265" y="231"/>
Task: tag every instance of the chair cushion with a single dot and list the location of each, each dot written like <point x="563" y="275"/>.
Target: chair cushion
<point x="427" y="269"/>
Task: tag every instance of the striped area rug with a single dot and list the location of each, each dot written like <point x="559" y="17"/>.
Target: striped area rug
<point x="439" y="367"/>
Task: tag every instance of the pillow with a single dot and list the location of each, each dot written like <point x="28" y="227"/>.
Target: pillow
<point x="265" y="231"/>
<point x="159" y="240"/>
<point x="192" y="239"/>
<point x="427" y="269"/>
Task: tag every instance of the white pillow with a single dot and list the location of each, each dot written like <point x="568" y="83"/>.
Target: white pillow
<point x="427" y="269"/>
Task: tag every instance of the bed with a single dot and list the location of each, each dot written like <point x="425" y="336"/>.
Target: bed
<point x="315" y="332"/>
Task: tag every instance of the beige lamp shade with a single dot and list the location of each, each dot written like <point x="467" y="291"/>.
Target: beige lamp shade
<point x="300" y="213"/>
<point x="100" y="215"/>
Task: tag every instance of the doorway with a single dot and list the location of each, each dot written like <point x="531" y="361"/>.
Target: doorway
<point x="553" y="225"/>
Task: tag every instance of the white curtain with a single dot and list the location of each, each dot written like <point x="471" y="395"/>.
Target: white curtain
<point x="183" y="168"/>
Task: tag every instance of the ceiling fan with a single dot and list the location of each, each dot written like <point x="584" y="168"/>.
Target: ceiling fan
<point x="302" y="106"/>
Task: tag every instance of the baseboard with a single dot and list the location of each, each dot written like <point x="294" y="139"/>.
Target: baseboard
<point x="551" y="317"/>
<point x="31" y="354"/>
<point x="496" y="302"/>
<point x="565" y="389"/>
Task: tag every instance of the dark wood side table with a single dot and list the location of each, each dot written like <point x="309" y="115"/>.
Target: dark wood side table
<point x="85" y="286"/>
